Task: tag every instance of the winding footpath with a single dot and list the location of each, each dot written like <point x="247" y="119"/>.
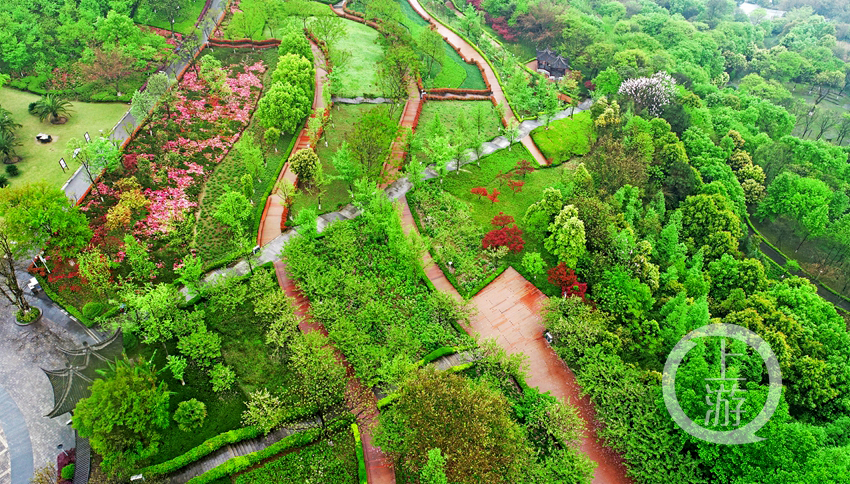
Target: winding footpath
<point x="379" y="467"/>
<point x="274" y="204"/>
<point x="508" y="311"/>
<point x="470" y="55"/>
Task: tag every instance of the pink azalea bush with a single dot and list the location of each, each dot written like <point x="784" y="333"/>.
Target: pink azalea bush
<point x="169" y="161"/>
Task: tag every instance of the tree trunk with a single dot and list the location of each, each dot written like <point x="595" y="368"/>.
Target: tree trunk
<point x="801" y="242"/>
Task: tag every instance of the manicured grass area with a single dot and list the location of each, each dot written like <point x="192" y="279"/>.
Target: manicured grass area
<point x="332" y="458"/>
<point x="514" y="204"/>
<point x="565" y="137"/>
<point x="337" y="130"/>
<point x="360" y="78"/>
<point x="41" y="161"/>
<point x="454" y="72"/>
<point x="191" y="11"/>
<point x="449" y="112"/>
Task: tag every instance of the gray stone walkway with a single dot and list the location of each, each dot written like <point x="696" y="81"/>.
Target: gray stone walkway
<point x="361" y="100"/>
<point x="25" y="393"/>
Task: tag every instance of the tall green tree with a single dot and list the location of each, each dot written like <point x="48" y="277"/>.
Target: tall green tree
<point x="125" y="416"/>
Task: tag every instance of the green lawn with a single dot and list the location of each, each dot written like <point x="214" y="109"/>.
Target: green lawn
<point x="41" y="161"/>
<point x="338" y="129"/>
<point x="359" y="72"/>
<point x="449" y="111"/>
<point x="191" y="11"/>
<point x="565" y="137"/>
<point x="514" y="204"/>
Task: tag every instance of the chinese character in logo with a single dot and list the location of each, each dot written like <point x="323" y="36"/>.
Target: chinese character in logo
<point x="720" y="393"/>
<point x="727" y="395"/>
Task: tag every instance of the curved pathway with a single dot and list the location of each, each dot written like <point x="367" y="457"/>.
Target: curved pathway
<point x="509" y="312"/>
<point x="470" y="55"/>
<point x="274" y="206"/>
<point x="379" y="468"/>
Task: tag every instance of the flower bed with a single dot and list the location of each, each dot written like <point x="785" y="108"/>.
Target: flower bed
<point x="155" y="192"/>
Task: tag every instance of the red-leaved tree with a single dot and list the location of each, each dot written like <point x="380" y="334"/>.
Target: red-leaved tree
<point x="516" y="185"/>
<point x="504" y="177"/>
<point x="502" y="220"/>
<point x="510" y="237"/>
<point x="568" y="282"/>
<point x="480" y="191"/>
<point x="494" y="196"/>
<point x="523" y="167"/>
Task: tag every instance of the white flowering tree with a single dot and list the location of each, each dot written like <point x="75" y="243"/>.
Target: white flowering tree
<point x="652" y="93"/>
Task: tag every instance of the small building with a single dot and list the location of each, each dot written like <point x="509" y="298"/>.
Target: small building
<point x="555" y="65"/>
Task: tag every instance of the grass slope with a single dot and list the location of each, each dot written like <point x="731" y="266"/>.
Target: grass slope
<point x="191" y="11"/>
<point x="449" y="111"/>
<point x="565" y="137"/>
<point x="514" y="204"/>
<point x="359" y="73"/>
<point x="41" y="161"/>
<point x="338" y="129"/>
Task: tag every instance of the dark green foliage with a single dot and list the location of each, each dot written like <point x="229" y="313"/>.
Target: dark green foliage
<point x="12" y="170"/>
<point x="380" y="315"/>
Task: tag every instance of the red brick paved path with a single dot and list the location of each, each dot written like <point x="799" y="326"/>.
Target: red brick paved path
<point x="379" y="468"/>
<point x="270" y="224"/>
<point x="469" y="53"/>
<point x="509" y="312"/>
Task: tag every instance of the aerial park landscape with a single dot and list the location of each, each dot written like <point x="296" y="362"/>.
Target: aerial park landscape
<point x="413" y="241"/>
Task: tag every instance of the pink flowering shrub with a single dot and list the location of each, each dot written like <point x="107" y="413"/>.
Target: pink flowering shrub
<point x="164" y="168"/>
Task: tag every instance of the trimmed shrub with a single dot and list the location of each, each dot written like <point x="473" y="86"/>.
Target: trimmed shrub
<point x="361" y="460"/>
<point x="68" y="471"/>
<point x="93" y="309"/>
<point x="12" y="170"/>
<point x="190" y="414"/>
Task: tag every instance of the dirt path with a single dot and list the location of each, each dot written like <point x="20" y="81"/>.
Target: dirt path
<point x="270" y="223"/>
<point x="469" y="54"/>
<point x="509" y="312"/>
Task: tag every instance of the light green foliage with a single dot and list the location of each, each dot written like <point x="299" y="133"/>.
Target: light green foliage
<point x="177" y="366"/>
<point x="540" y="213"/>
<point x="296" y="71"/>
<point x="305" y="164"/>
<point x="533" y="264"/>
<point x="190" y="414"/>
<point x="623" y="296"/>
<point x="283" y="107"/>
<point x="222" y="377"/>
<point x="202" y="346"/>
<point x="136" y="255"/>
<point x="233" y="209"/>
<point x="214" y="75"/>
<point x="94" y="267"/>
<point x="322" y="377"/>
<point x="433" y="471"/>
<point x="190" y="273"/>
<point x="345" y="164"/>
<point x="36" y="212"/>
<point x="125" y="415"/>
<point x="250" y="154"/>
<point x="263" y="410"/>
<point x="567" y="236"/>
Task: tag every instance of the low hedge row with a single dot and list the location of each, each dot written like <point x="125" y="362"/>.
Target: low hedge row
<point x="361" y="458"/>
<point x="208" y="447"/>
<point x="238" y="464"/>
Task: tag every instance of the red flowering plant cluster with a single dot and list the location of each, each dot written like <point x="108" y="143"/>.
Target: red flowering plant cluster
<point x="510" y="237"/>
<point x="567" y="280"/>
